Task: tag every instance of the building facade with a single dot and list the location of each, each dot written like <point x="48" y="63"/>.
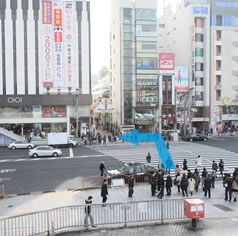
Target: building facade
<point x="224" y="65"/>
<point x="45" y="62"/>
<point x="134" y="63"/>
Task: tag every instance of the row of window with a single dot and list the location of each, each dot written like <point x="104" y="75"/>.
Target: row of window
<point x="219" y="20"/>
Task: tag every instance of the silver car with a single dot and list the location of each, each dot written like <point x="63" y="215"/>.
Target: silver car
<point x="20" y="144"/>
<point x="45" y="151"/>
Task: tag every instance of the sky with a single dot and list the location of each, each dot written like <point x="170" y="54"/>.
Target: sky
<point x="100" y="23"/>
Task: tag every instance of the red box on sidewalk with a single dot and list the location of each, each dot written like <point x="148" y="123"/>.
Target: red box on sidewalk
<point x="194" y="208"/>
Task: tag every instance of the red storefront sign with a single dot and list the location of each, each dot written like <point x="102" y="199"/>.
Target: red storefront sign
<point x="58" y="37"/>
<point x="166" y="61"/>
<point x="46" y="12"/>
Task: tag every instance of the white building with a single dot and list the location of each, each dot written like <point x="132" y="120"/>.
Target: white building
<point x="45" y="62"/>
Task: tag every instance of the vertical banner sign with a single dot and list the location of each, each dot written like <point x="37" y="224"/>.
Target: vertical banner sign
<point x="193" y="59"/>
<point x="213" y="124"/>
<point x="68" y="43"/>
<point x="47" y="44"/>
<point x="166" y="62"/>
<point x="58" y="46"/>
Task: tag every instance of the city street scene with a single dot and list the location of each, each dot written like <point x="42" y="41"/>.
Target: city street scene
<point x="118" y="117"/>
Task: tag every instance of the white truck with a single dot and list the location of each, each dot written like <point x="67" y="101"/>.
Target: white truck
<point x="60" y="139"/>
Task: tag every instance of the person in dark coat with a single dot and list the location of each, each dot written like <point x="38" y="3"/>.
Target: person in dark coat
<point x="204" y="175"/>
<point x="190" y="174"/>
<point x="88" y="202"/>
<point x="207" y="186"/>
<point x="197" y="179"/>
<point x="99" y="139"/>
<point x="102" y="168"/>
<point x="184" y="185"/>
<point x="104" y="140"/>
<point x="221" y="167"/>
<point x="161" y="184"/>
<point x="153" y="182"/>
<point x="185" y="167"/>
<point x="148" y="158"/>
<point x="169" y="184"/>
<point x="130" y="186"/>
<point x="214" y="166"/>
<point x="104" y="192"/>
<point x="109" y="138"/>
<point x="228" y="187"/>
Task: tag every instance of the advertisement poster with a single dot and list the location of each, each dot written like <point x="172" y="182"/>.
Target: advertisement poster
<point x="144" y="119"/>
<point x="47" y="44"/>
<point x="58" y="46"/>
<point x="53" y="111"/>
<point x="166" y="61"/>
<point x="181" y="78"/>
<point x="68" y="42"/>
<point x="213" y="123"/>
<point x="146" y="64"/>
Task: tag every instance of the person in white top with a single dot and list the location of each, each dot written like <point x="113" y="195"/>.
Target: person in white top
<point x="191" y="185"/>
<point x="199" y="162"/>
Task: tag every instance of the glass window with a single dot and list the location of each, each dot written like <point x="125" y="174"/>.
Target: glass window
<point x="199" y="96"/>
<point x="127" y="44"/>
<point x="146" y="14"/>
<point x="128" y="61"/>
<point x="127" y="21"/>
<point x="127" y="36"/>
<point x="148" y="28"/>
<point x="218" y="20"/>
<point x="126" y="11"/>
<point x="199" y="37"/>
<point x="127" y="53"/>
<point x="127" y="28"/>
<point x="199" y="66"/>
<point x="127" y="69"/>
<point x="199" y="52"/>
<point x="199" y="81"/>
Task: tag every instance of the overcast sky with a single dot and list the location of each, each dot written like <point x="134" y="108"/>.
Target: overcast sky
<point x="100" y="18"/>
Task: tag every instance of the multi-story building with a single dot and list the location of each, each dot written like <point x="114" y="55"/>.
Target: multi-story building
<point x="224" y="64"/>
<point x="188" y="37"/>
<point x="45" y="64"/>
<point x="133" y="63"/>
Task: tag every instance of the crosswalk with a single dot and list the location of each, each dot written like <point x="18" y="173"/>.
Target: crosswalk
<point x="179" y="151"/>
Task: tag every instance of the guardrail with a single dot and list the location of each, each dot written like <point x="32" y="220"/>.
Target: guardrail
<point x="123" y="213"/>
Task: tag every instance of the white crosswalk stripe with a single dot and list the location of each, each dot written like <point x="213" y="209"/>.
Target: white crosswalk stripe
<point x="179" y="151"/>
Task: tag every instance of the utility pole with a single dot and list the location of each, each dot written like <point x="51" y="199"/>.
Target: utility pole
<point x="159" y="124"/>
<point x="76" y="113"/>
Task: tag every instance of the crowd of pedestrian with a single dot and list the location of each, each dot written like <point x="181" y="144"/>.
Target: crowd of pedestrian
<point x="99" y="139"/>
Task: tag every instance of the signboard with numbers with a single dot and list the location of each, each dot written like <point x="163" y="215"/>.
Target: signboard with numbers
<point x="166" y="62"/>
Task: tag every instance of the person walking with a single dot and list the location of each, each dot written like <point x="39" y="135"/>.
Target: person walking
<point x="185" y="167"/>
<point x="148" y="158"/>
<point x="199" y="162"/>
<point x="207" y="186"/>
<point x="234" y="188"/>
<point x="228" y="187"/>
<point x="191" y="185"/>
<point x="104" y="140"/>
<point x="153" y="183"/>
<point x="169" y="184"/>
<point x="102" y="168"/>
<point x="184" y="185"/>
<point x="130" y="186"/>
<point x="178" y="182"/>
<point x="88" y="203"/>
<point x="213" y="178"/>
<point x="177" y="170"/>
<point x="204" y="175"/>
<point x="214" y="166"/>
<point x="109" y="138"/>
<point x="221" y="167"/>
<point x="197" y="179"/>
<point x="161" y="184"/>
<point x="104" y="192"/>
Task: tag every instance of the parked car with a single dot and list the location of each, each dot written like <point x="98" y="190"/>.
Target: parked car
<point x="20" y="144"/>
<point x="133" y="168"/>
<point x="45" y="151"/>
<point x="195" y="137"/>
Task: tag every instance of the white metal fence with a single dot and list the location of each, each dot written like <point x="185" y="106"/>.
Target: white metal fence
<point x="73" y="216"/>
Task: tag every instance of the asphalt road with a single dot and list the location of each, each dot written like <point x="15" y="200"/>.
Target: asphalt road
<point x="228" y="143"/>
<point x="49" y="174"/>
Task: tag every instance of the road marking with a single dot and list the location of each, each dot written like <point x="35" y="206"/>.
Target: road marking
<point x="71" y="153"/>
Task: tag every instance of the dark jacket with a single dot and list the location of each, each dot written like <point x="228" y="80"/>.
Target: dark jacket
<point x="228" y="183"/>
<point x="214" y="166"/>
<point x="184" y="181"/>
<point x="207" y="182"/>
<point x="169" y="183"/>
<point x="204" y="173"/>
<point x="101" y="167"/>
<point x="131" y="183"/>
<point x="88" y="207"/>
<point x="104" y="190"/>
<point x="161" y="180"/>
<point x="221" y="165"/>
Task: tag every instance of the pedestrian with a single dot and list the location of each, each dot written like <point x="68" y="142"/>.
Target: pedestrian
<point x="161" y="184"/>
<point x="169" y="184"/>
<point x="213" y="178"/>
<point x="228" y="187"/>
<point x="184" y="185"/>
<point x="204" y="175"/>
<point x="148" y="158"/>
<point x="221" y="167"/>
<point x="109" y="138"/>
<point x="234" y="188"/>
<point x="191" y="185"/>
<point x="88" y="203"/>
<point x="199" y="162"/>
<point x="207" y="186"/>
<point x="104" y="192"/>
<point x="102" y="168"/>
<point x="99" y="139"/>
<point x="104" y="140"/>
<point x="214" y="166"/>
<point x="130" y="186"/>
<point x="185" y="167"/>
<point x="114" y="138"/>
<point x="177" y="170"/>
<point x="190" y="174"/>
<point x="197" y="179"/>
<point x="178" y="181"/>
<point x="153" y="183"/>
